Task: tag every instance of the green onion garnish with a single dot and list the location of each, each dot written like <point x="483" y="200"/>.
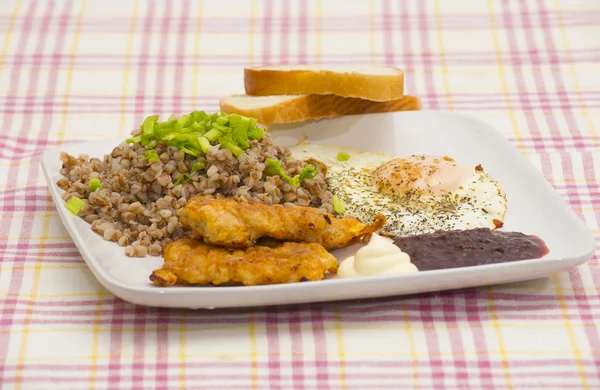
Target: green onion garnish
<point x="228" y="143"/>
<point x="198" y="166"/>
<point x="343" y="156"/>
<point x="204" y="144"/>
<point x="222" y="120"/>
<point x="213" y="134"/>
<point x="274" y="167"/>
<point x="94" y="184"/>
<point x="338" y="205"/>
<point x="134" y="140"/>
<point x="151" y="156"/>
<point x="74" y="205"/>
<point x="190" y="151"/>
<point x="195" y="132"/>
<point x="308" y="172"/>
<point x="183" y="178"/>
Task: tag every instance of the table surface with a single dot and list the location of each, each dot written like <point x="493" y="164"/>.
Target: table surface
<point x="80" y="70"/>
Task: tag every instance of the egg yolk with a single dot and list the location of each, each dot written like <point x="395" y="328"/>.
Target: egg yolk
<point x="420" y="175"/>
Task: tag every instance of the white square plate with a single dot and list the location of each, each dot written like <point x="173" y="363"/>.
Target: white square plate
<point x="534" y="207"/>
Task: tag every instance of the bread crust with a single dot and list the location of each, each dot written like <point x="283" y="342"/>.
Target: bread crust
<point x="307" y="107"/>
<point x="265" y="82"/>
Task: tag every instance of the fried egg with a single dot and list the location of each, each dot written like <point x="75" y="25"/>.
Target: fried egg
<point x="418" y="194"/>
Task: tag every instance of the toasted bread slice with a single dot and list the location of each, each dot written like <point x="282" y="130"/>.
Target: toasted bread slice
<point x="297" y="108"/>
<point x="376" y="83"/>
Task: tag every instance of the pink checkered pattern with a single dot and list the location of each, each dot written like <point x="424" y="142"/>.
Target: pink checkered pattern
<point x="78" y="70"/>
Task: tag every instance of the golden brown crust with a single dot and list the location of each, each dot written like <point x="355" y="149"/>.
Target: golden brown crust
<point x="383" y="87"/>
<point x="230" y="223"/>
<point x="189" y="262"/>
<point x="314" y="107"/>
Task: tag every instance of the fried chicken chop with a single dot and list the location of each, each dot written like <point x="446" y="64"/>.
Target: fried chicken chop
<point x="234" y="224"/>
<point x="188" y="261"/>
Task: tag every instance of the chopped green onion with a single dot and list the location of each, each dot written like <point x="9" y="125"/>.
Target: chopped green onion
<point x="183" y="120"/>
<point x="148" y="126"/>
<point x="169" y="137"/>
<point x="338" y="205"/>
<point x="195" y="132"/>
<point x="183" y="178"/>
<point x="229" y="144"/>
<point x="274" y="167"/>
<point x="151" y="156"/>
<point x="199" y="116"/>
<point x="255" y="132"/>
<point x="308" y="172"/>
<point x="204" y="144"/>
<point x="152" y="144"/>
<point x="343" y="156"/>
<point x="192" y="152"/>
<point x="168" y="124"/>
<point x="223" y="129"/>
<point x="145" y="140"/>
<point x="95" y="183"/>
<point x="212" y="135"/>
<point x="74" y="205"/>
<point x="239" y="126"/>
<point x="198" y="166"/>
<point x="134" y="140"/>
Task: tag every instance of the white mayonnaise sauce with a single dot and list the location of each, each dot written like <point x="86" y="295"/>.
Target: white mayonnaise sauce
<point x="379" y="257"/>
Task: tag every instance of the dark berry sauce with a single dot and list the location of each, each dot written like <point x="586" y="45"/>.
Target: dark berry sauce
<point x="466" y="248"/>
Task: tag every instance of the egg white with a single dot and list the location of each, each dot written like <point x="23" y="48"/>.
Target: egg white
<point x="479" y="202"/>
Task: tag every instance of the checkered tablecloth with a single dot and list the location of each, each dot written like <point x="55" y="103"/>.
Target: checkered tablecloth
<point x="80" y="70"/>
